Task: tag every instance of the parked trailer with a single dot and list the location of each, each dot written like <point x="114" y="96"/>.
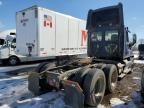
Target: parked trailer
<point x="85" y="81"/>
<point x="45" y="34"/>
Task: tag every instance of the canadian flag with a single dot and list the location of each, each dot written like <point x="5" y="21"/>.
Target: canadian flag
<point x="84" y="37"/>
<point x="47" y="21"/>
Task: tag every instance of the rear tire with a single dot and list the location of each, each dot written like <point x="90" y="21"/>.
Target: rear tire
<point x="111" y="75"/>
<point x="94" y="87"/>
<point x="13" y="60"/>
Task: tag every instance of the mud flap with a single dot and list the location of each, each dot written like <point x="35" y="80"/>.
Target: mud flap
<point x="74" y="96"/>
<point x="33" y="83"/>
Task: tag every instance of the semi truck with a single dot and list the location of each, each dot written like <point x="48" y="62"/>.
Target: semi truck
<point x="141" y="51"/>
<point x="138" y="50"/>
<point x="85" y="81"/>
<point x="44" y="34"/>
<point x="7" y="46"/>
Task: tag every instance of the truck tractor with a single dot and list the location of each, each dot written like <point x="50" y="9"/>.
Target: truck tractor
<point x="138" y="50"/>
<point x="85" y="81"/>
<point x="7" y="47"/>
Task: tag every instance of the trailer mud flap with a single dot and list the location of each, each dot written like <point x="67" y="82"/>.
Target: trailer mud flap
<point x="74" y="96"/>
<point x="33" y="83"/>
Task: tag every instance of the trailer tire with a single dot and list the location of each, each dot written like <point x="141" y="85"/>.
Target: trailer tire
<point x="111" y="75"/>
<point x="94" y="87"/>
<point x="13" y="60"/>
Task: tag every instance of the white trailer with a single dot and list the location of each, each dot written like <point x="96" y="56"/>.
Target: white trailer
<point x="44" y="34"/>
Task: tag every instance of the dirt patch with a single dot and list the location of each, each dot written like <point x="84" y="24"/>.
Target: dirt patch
<point x="127" y="86"/>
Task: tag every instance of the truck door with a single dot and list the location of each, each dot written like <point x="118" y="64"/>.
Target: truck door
<point x="127" y="51"/>
<point x="13" y="46"/>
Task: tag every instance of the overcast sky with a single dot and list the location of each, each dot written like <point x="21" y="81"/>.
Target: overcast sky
<point x="133" y="10"/>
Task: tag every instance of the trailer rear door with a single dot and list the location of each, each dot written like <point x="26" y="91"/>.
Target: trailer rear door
<point x="27" y="32"/>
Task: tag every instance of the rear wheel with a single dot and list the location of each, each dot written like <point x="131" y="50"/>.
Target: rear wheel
<point x="38" y="83"/>
<point x="94" y="87"/>
<point x="13" y="60"/>
<point x="111" y="75"/>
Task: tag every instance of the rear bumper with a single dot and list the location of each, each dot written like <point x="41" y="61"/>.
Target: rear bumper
<point x="73" y="97"/>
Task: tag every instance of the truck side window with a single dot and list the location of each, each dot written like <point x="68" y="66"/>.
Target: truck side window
<point x="14" y="40"/>
<point x="13" y="44"/>
<point x="127" y="35"/>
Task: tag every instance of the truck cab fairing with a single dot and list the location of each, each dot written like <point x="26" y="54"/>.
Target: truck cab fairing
<point x="108" y="23"/>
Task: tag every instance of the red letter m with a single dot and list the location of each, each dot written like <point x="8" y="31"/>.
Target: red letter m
<point x="84" y="37"/>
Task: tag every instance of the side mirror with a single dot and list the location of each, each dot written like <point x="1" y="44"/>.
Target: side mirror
<point x="13" y="46"/>
<point x="134" y="38"/>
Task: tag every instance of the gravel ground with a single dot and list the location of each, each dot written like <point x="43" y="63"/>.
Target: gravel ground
<point x="14" y="93"/>
<point x="128" y="89"/>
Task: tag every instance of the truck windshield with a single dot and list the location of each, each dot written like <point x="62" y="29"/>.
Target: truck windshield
<point x="105" y="43"/>
<point x="111" y="42"/>
<point x="111" y="36"/>
<point x="2" y="41"/>
<point x="96" y="36"/>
